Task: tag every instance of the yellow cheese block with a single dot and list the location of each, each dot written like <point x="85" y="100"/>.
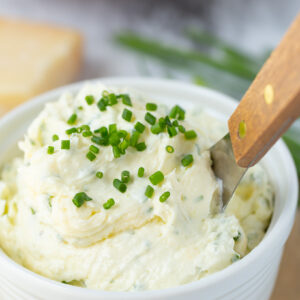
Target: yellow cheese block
<point x="35" y="58"/>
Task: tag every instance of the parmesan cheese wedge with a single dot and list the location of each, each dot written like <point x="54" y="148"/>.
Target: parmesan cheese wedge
<point x="35" y="58"/>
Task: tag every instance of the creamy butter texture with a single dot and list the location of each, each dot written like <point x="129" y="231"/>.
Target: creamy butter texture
<point x="139" y="243"/>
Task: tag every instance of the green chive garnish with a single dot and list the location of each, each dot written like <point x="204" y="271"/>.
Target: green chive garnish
<point x="122" y="133"/>
<point x="116" y="151"/>
<point x="109" y="203"/>
<point x="114" y="139"/>
<point x="141" y="172"/>
<point x="125" y="99"/>
<point x="127" y="115"/>
<point x="112" y="99"/>
<point x="156" y="128"/>
<point x="99" y="174"/>
<point x="119" y="185"/>
<point x="237" y="237"/>
<point x="94" y="149"/>
<point x="187" y="160"/>
<point x="112" y="128"/>
<point x="103" y="141"/>
<point x="175" y="123"/>
<point x="87" y="133"/>
<point x="177" y="112"/>
<point x="156" y="177"/>
<point x="89" y="99"/>
<point x="169" y="149"/>
<point x="149" y="191"/>
<point x="80" y="198"/>
<point x="190" y="134"/>
<point x="164" y="196"/>
<point x="50" y="150"/>
<point x="91" y="156"/>
<point x="71" y="130"/>
<point x="65" y="144"/>
<point x="125" y="176"/>
<point x="134" y="138"/>
<point x="139" y="127"/>
<point x="123" y="146"/>
<point x="150" y="118"/>
<point x="80" y="107"/>
<point x="55" y="137"/>
<point x="72" y="119"/>
<point x="141" y="146"/>
<point x="102" y="130"/>
<point x="172" y="131"/>
<point x="102" y="104"/>
<point x="151" y="106"/>
<point x="181" y="129"/>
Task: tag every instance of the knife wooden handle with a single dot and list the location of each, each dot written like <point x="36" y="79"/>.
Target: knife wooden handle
<point x="271" y="104"/>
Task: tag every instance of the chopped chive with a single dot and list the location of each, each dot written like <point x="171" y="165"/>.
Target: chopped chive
<point x="116" y="151"/>
<point x="99" y="174"/>
<point x="32" y="211"/>
<point x="125" y="176"/>
<point x="102" y="104"/>
<point x="237" y="237"/>
<point x="72" y="119"/>
<point x="127" y="115"/>
<point x="105" y="93"/>
<point x="150" y="118"/>
<point x="164" y="196"/>
<point x="175" y="123"/>
<point x="122" y="133"/>
<point x="91" y="156"/>
<point x="190" y="134"/>
<point x="141" y="172"/>
<point x="50" y="150"/>
<point x="141" y="146"/>
<point x="181" y="129"/>
<point x="139" y="127"/>
<point x="181" y="113"/>
<point x="80" y="198"/>
<point x="173" y="112"/>
<point x="94" y="149"/>
<point x="125" y="99"/>
<point x="71" y="130"/>
<point x="109" y="203"/>
<point x="156" y="177"/>
<point x="168" y="121"/>
<point x="80" y="107"/>
<point x="114" y="139"/>
<point x="169" y="149"/>
<point x="89" y="99"/>
<point x="134" y="138"/>
<point x="112" y="128"/>
<point x="162" y="123"/>
<point x="65" y="144"/>
<point x="87" y="133"/>
<point x="112" y="99"/>
<point x="102" y="130"/>
<point x="156" y="129"/>
<point x="151" y="106"/>
<point x="149" y="191"/>
<point x="119" y="185"/>
<point x="123" y="146"/>
<point x="172" y="131"/>
<point x="55" y="137"/>
<point x="103" y="141"/>
<point x="177" y="112"/>
<point x="187" y="160"/>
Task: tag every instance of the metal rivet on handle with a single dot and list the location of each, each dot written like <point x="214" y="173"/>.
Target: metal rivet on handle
<point x="242" y="129"/>
<point x="269" y="94"/>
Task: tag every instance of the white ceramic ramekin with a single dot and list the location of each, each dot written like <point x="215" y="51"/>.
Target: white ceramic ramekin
<point x="251" y="278"/>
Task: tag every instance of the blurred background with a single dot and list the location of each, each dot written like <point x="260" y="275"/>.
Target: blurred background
<point x="218" y="44"/>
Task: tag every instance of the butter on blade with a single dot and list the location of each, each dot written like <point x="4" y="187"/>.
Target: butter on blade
<point x="35" y="58"/>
